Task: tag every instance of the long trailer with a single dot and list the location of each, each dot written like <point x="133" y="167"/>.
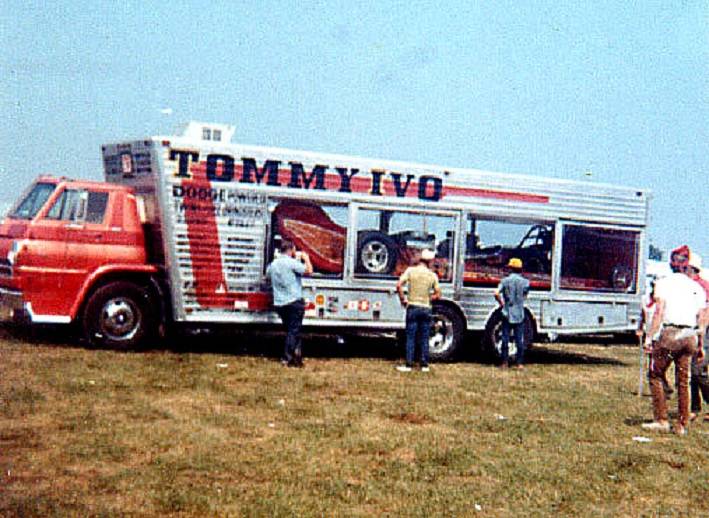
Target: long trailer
<point x="201" y="217"/>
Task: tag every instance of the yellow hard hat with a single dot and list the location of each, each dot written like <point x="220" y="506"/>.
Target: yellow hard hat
<point x="515" y="262"/>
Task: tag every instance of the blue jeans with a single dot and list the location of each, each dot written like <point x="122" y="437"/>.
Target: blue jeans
<point x="518" y="330"/>
<point x="292" y="318"/>
<point x="418" y="329"/>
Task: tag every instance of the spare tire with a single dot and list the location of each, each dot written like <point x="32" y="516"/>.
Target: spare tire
<point x="376" y="253"/>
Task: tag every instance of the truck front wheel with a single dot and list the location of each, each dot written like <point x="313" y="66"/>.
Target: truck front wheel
<point x="117" y="316"/>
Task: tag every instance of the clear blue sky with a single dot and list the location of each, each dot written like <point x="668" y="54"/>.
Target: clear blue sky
<point x="619" y="88"/>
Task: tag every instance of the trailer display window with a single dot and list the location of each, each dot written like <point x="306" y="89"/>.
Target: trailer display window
<point x="388" y="242"/>
<point x="599" y="259"/>
<point x="490" y="244"/>
<point x="319" y="229"/>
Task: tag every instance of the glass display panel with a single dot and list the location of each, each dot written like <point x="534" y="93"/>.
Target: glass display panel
<point x="490" y="244"/>
<point x="389" y="241"/>
<point x="318" y="229"/>
<point x="599" y="259"/>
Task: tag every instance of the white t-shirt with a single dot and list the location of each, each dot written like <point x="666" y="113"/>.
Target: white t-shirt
<point x="683" y="297"/>
<point x="649" y="308"/>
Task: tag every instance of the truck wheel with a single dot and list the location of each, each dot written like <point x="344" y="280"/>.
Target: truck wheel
<point x="492" y="339"/>
<point x="376" y="253"/>
<point x="117" y="316"/>
<point x="447" y="333"/>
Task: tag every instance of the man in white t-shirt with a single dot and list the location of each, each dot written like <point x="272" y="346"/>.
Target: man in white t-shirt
<point x="673" y="335"/>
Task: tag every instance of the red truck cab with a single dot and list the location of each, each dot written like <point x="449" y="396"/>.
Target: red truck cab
<point x="66" y="244"/>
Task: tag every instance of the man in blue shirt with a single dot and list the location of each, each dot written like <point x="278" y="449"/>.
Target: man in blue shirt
<point x="511" y="294"/>
<point x="286" y="273"/>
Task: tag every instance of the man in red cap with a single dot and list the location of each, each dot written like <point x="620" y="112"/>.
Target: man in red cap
<point x="679" y="320"/>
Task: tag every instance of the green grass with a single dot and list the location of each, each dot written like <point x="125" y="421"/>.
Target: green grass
<point x="101" y="433"/>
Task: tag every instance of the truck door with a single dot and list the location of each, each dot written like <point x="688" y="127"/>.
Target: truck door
<point x="80" y="214"/>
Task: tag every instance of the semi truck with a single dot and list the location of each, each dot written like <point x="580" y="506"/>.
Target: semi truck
<point x="182" y="227"/>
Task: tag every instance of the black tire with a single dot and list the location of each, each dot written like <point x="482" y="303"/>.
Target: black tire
<point x="447" y="333"/>
<point x="492" y="338"/>
<point x="118" y="316"/>
<point x="376" y="253"/>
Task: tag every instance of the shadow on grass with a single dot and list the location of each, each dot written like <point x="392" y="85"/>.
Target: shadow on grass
<point x="269" y="344"/>
<point x="544" y="356"/>
<point x="38" y="334"/>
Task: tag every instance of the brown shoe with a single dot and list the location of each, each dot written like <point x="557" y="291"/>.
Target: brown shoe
<point x="503" y="365"/>
<point x="519" y="367"/>
<point x="692" y="417"/>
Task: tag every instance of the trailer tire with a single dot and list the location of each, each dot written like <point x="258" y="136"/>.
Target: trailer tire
<point x="376" y="253"/>
<point x="492" y="337"/>
<point x="447" y="333"/>
<point x="117" y="316"/>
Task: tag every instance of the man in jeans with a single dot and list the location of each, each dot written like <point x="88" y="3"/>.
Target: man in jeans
<point x="699" y="379"/>
<point x="286" y="273"/>
<point x="679" y="320"/>
<point x="423" y="288"/>
<point x="510" y="295"/>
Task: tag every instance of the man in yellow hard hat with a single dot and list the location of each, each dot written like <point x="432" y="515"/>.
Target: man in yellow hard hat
<point x="510" y="294"/>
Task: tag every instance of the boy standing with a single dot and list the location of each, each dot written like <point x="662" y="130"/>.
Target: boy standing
<point x="510" y="295"/>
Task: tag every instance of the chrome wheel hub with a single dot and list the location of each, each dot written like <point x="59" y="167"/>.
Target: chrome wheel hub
<point x="119" y="319"/>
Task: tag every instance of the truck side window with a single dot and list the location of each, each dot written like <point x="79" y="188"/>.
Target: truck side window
<point x="96" y="207"/>
<point x="65" y="208"/>
<point x="74" y="205"/>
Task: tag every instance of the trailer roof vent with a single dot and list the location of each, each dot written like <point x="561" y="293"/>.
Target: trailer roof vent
<point x="208" y="131"/>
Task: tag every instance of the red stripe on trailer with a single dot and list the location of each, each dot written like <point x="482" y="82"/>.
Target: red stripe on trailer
<point x="203" y="237"/>
<point x="497" y="195"/>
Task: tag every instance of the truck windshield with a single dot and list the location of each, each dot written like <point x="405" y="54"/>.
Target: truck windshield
<point x="34" y="201"/>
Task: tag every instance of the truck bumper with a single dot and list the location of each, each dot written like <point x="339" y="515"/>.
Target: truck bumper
<point x="12" y="306"/>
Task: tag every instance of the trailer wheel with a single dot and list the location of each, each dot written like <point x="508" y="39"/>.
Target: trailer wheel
<point x="492" y="338"/>
<point x="447" y="333"/>
<point x="376" y="253"/>
<point x="117" y="316"/>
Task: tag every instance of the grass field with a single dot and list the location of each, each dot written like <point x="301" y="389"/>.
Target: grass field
<point x="230" y="432"/>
